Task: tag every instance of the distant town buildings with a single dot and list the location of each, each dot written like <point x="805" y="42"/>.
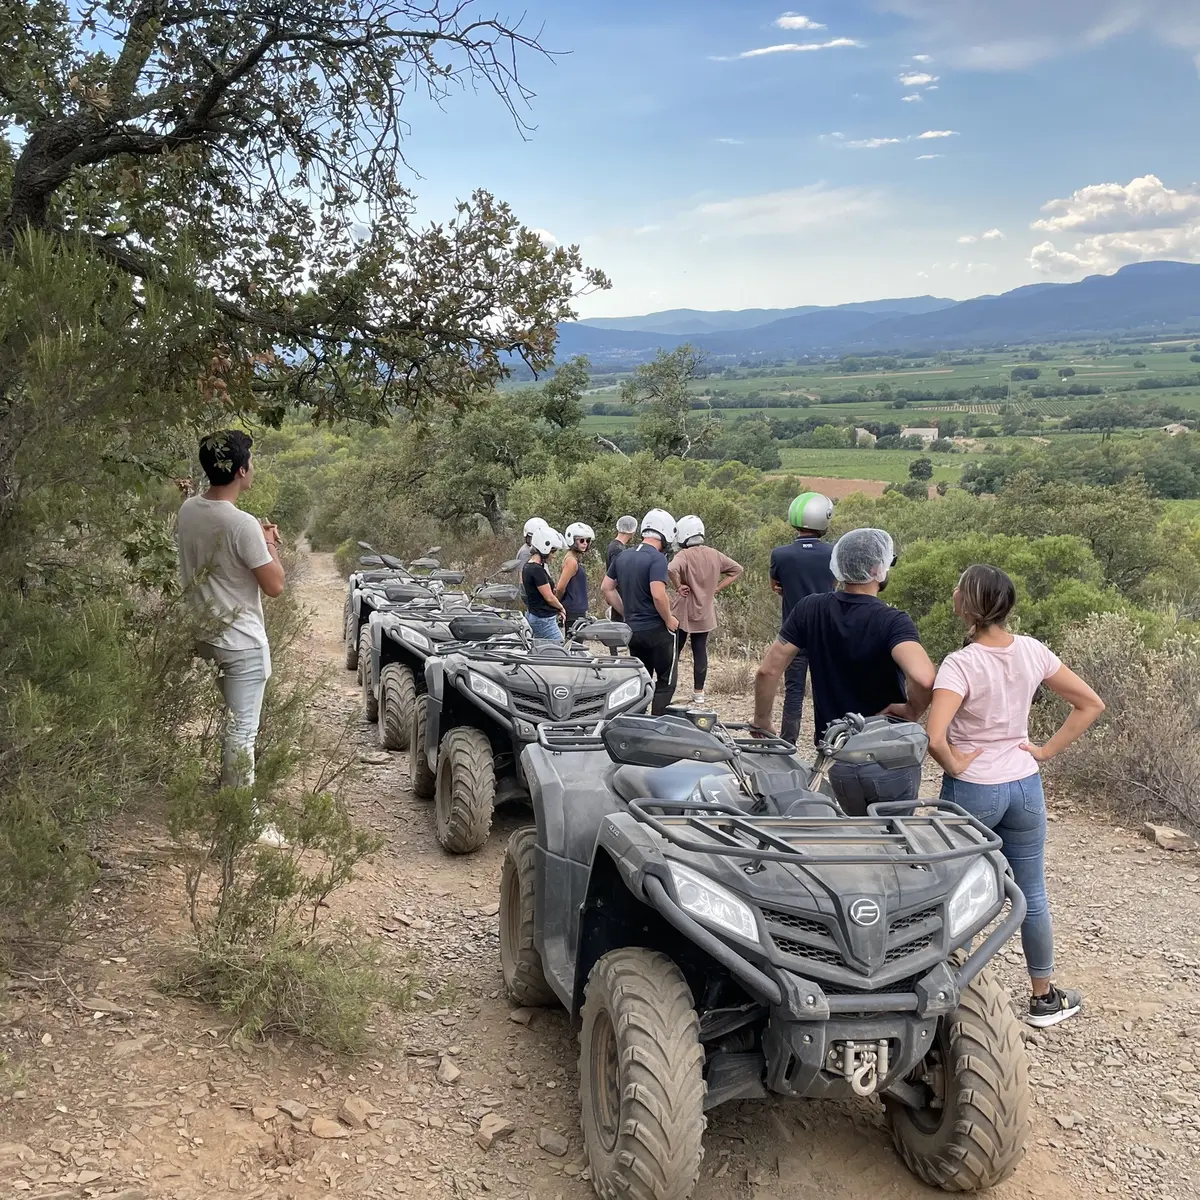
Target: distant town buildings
<point x="926" y="433"/>
<point x="864" y="437"/>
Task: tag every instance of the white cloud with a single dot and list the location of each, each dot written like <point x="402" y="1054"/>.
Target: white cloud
<point x="642" y="230"/>
<point x="927" y="157"/>
<point x="794" y="210"/>
<point x="791" y="20"/>
<point x="922" y="58"/>
<point x="985" y="35"/>
<point x="730" y="142"/>
<point x="967" y="239"/>
<point x="912" y="97"/>
<point x="874" y="143"/>
<point x="917" y="79"/>
<point x="546" y="237"/>
<point x="992" y="235"/>
<point x="788" y="48"/>
<point x="1119" y="224"/>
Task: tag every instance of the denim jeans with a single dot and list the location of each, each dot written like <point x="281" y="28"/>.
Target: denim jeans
<point x="546" y="628"/>
<point x="242" y="677"/>
<point x="793" y="698"/>
<point x="1017" y="812"/>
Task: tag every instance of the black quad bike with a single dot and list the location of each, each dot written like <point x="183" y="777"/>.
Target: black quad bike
<point x="379" y="595"/>
<point x="720" y="929"/>
<point x="485" y="701"/>
<point x="401" y="637"/>
<point x="375" y="570"/>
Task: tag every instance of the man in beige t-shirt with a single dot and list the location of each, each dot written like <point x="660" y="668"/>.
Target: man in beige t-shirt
<point x="227" y="559"/>
<point x="698" y="572"/>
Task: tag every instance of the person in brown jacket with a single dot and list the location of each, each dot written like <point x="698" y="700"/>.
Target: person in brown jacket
<point x="698" y="572"/>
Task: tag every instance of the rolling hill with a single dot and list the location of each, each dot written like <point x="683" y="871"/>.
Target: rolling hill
<point x="1155" y="298"/>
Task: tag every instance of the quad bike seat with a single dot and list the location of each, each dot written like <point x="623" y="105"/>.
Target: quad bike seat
<point x="675" y="782"/>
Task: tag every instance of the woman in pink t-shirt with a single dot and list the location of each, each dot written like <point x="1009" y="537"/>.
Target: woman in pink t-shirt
<point x="979" y="733"/>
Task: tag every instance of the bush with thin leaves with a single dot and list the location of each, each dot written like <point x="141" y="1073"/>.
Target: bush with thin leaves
<point x="1143" y="758"/>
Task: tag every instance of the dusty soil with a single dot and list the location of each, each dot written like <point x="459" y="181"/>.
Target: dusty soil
<point x="839" y="489"/>
<point x="109" y="1087"/>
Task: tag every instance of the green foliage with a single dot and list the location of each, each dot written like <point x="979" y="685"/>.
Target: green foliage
<point x="94" y="697"/>
<point x="667" y="428"/>
<point x="1018" y="373"/>
<point x="1058" y="583"/>
<point x="921" y="468"/>
<point x="259" y="951"/>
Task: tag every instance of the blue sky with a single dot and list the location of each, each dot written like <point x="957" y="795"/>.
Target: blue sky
<point x="699" y="174"/>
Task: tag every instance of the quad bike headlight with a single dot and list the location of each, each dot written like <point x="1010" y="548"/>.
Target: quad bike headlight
<point x="413" y="638"/>
<point x="709" y="902"/>
<point x="629" y="691"/>
<point x="485" y="689"/>
<point x="973" y="899"/>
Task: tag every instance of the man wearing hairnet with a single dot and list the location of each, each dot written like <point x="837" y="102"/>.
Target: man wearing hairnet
<point x="865" y="656"/>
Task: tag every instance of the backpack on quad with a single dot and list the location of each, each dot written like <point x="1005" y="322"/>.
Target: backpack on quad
<point x="720" y="930"/>
<point x="484" y="703"/>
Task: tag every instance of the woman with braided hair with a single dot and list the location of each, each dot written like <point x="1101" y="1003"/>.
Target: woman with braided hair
<point x="979" y="733"/>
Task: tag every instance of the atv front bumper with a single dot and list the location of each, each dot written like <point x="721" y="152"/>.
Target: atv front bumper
<point x="804" y="1000"/>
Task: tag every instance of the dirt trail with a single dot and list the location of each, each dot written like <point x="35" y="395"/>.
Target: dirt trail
<point x="111" y="1087"/>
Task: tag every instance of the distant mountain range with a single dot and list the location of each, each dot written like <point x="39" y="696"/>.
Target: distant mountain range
<point x="1155" y="298"/>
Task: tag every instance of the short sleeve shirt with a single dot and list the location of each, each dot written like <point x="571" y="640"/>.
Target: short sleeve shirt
<point x="997" y="685"/>
<point x="801" y="569"/>
<point x="533" y="576"/>
<point x="615" y="547"/>
<point x="633" y="572"/>
<point x="849" y="639"/>
<point x="220" y="548"/>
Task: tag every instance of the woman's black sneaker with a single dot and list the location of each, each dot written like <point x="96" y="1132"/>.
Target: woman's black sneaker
<point x="1058" y="1004"/>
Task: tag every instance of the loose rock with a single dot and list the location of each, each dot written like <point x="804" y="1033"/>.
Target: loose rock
<point x="294" y="1109"/>
<point x="1166" y="837"/>
<point x="553" y="1142"/>
<point x="323" y="1127"/>
<point x="447" y="1071"/>
<point x="492" y="1129"/>
<point x="355" y="1111"/>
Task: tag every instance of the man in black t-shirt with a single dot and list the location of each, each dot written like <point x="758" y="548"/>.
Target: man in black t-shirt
<point x="865" y="656"/>
<point x="626" y="528"/>
<point x="801" y="569"/>
<point x="636" y="589"/>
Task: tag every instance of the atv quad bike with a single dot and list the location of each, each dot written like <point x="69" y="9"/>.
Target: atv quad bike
<point x="720" y="930"/>
<point x="485" y="701"/>
<point x="401" y="638"/>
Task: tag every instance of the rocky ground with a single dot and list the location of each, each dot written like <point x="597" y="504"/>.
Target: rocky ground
<point x="108" y="1087"/>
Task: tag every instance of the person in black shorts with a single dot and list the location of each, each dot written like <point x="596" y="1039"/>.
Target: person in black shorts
<point x="865" y="656"/>
<point x="637" y="592"/>
<point x="799" y="569"/>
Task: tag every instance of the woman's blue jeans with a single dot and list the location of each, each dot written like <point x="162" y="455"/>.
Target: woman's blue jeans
<point x="1017" y="812"/>
<point x="546" y="629"/>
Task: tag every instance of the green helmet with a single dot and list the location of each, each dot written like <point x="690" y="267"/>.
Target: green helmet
<point x="811" y="510"/>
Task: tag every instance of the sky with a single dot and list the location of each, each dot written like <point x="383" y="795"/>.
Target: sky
<point x="736" y="155"/>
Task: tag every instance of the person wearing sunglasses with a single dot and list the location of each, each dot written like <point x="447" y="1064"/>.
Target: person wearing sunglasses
<point x="865" y="656"/>
<point x="572" y="587"/>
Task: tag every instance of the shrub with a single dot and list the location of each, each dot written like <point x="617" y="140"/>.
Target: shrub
<point x="1143" y="757"/>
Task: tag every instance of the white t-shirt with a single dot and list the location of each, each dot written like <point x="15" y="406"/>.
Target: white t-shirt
<point x="219" y="549"/>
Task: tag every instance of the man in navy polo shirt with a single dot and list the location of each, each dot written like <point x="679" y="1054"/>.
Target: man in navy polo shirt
<point x="800" y="569"/>
<point x="636" y="590"/>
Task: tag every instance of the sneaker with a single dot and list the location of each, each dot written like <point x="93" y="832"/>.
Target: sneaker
<point x="699" y="700"/>
<point x="272" y="836"/>
<point x="1059" y="1004"/>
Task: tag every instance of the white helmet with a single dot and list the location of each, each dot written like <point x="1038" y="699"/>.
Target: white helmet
<point x="579" y="530"/>
<point x="689" y="527"/>
<point x="533" y="525"/>
<point x="659" y="521"/>
<point x="547" y="540"/>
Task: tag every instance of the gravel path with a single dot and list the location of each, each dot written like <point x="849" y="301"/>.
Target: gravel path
<point x="149" y="1097"/>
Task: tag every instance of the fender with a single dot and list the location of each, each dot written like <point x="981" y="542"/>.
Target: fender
<point x="435" y="676"/>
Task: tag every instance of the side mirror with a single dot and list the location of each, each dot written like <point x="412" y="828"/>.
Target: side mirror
<point x="367" y="547"/>
<point x="401" y="593"/>
<point x="394" y="563"/>
<point x="506" y="567"/>
<point x="478" y="627"/>
<point x="661" y="742"/>
<point x="433" y="551"/>
<point x="451" y="577"/>
<point x="613" y="634"/>
<point x="498" y="593"/>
